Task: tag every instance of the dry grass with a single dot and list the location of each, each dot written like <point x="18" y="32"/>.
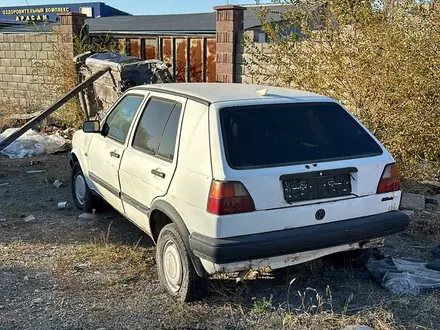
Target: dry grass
<point x="316" y="312"/>
<point x="425" y="224"/>
<point x="378" y="319"/>
<point x="128" y="261"/>
<point x="10" y="107"/>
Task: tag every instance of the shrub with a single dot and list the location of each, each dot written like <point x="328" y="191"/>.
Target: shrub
<point x="380" y="59"/>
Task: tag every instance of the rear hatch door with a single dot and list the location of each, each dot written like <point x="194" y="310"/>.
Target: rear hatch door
<point x="299" y="153"/>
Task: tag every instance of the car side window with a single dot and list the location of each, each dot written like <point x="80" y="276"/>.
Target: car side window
<point x="119" y="120"/>
<point x="156" y="133"/>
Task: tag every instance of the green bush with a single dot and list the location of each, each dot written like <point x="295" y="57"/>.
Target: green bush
<point x="380" y="59"/>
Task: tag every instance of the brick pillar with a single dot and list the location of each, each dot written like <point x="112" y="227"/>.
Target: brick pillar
<point x="229" y="24"/>
<point x="71" y="25"/>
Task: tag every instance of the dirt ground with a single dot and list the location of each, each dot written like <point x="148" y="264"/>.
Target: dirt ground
<point x="59" y="273"/>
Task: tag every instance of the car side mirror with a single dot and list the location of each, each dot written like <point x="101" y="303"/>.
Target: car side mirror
<point x="91" y="127"/>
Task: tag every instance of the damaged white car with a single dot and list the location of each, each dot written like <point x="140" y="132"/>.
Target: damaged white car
<point x="230" y="177"/>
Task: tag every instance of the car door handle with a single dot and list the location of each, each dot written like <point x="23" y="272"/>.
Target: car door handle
<point x="158" y="173"/>
<point x="114" y="154"/>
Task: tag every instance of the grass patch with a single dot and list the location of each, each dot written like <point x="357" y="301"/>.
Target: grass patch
<point x="262" y="306"/>
<point x="100" y="266"/>
<point x="378" y="319"/>
<point x="111" y="256"/>
<point x="425" y="225"/>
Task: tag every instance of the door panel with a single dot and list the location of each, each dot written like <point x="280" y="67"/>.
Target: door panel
<point x="149" y="161"/>
<point x="103" y="168"/>
<point x="106" y="149"/>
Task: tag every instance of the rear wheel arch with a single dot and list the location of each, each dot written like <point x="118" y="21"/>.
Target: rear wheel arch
<point x="162" y="213"/>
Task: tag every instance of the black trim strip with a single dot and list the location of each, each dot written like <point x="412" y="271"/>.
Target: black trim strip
<point x="165" y="91"/>
<point x="283" y="242"/>
<point x="137" y="205"/>
<point x="104" y="184"/>
<point x="317" y="174"/>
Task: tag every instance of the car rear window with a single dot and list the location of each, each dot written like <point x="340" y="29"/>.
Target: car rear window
<point x="295" y="133"/>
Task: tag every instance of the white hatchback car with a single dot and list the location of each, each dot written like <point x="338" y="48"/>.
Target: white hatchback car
<point x="230" y="177"/>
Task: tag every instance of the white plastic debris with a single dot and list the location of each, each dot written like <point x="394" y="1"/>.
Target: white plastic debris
<point x="35" y="172"/>
<point x="63" y="205"/>
<point x="29" y="218"/>
<point x="86" y="217"/>
<point x="402" y="284"/>
<point x="57" y="184"/>
<point x="31" y="144"/>
<point x="37" y="301"/>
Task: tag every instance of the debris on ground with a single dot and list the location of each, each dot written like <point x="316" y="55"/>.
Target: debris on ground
<point x="86" y="217"/>
<point x="29" y="218"/>
<point x="35" y="172"/>
<point x="358" y="327"/>
<point x="63" y="205"/>
<point x="435" y="200"/>
<point x="32" y="143"/>
<point x="433" y="184"/>
<point x="126" y="72"/>
<point x="37" y="301"/>
<point x="404" y="276"/>
<point x="4" y="184"/>
<point x="57" y="184"/>
<point x="412" y="201"/>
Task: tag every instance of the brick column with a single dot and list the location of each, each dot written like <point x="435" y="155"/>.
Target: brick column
<point x="229" y="24"/>
<point x="70" y="26"/>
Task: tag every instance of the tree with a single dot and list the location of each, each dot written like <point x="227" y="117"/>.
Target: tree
<point x="379" y="58"/>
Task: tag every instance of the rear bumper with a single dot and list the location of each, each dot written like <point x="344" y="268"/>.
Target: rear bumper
<point x="283" y="242"/>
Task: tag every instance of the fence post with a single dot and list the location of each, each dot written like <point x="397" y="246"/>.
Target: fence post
<point x="229" y="24"/>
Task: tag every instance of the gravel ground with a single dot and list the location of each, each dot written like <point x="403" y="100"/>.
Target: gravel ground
<point x="58" y="273"/>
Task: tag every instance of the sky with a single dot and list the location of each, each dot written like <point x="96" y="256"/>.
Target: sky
<point x="142" y="7"/>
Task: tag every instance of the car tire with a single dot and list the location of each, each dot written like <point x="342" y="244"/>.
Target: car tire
<point x="176" y="272"/>
<point x="83" y="197"/>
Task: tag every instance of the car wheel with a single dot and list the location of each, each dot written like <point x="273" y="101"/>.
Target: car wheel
<point x="83" y="197"/>
<point x="176" y="272"/>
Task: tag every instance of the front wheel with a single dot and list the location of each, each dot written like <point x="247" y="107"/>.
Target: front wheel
<point x="176" y="272"/>
<point x="83" y="197"/>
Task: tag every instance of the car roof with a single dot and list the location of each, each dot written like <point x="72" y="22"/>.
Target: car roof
<point x="221" y="92"/>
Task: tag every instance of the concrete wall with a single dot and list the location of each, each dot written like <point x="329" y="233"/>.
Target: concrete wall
<point x="243" y="74"/>
<point x="23" y="57"/>
<point x="36" y="68"/>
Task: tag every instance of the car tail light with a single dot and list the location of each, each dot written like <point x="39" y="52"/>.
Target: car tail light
<point x="229" y="198"/>
<point x="390" y="180"/>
